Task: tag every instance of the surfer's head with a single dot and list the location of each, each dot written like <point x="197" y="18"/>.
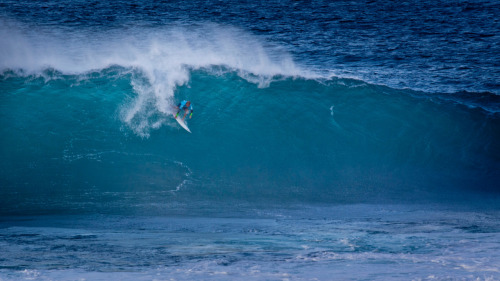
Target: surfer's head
<point x="188" y="103"/>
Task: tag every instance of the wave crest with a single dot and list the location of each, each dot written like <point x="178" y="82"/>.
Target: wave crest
<point x="162" y="58"/>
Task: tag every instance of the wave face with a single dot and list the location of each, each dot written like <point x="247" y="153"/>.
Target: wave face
<point x="86" y="103"/>
<point x="69" y="138"/>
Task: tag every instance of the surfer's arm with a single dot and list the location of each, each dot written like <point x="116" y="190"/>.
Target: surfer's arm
<point x="191" y="112"/>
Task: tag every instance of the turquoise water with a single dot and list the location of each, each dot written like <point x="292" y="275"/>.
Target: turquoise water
<point x="295" y="139"/>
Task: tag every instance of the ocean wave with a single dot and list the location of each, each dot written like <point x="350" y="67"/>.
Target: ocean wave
<point x="263" y="126"/>
<point x="330" y="140"/>
<point x="162" y="59"/>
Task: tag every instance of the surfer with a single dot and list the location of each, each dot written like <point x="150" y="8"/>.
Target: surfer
<point x="187" y="107"/>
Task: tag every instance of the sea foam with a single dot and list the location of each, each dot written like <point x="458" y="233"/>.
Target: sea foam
<point x="161" y="58"/>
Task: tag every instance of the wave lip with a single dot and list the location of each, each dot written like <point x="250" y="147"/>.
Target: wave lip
<point x="156" y="51"/>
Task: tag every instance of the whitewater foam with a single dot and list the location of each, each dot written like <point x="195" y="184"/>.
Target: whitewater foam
<point x="164" y="54"/>
<point x="161" y="58"/>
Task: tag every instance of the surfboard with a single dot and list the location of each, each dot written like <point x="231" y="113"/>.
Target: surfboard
<point x="181" y="122"/>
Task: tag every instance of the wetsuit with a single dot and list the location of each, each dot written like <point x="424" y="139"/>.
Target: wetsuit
<point x="182" y="106"/>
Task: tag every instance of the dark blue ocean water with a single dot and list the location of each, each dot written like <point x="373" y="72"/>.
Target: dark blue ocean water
<point x="342" y="140"/>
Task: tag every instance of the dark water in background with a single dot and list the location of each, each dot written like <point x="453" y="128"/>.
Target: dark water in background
<point x="351" y="139"/>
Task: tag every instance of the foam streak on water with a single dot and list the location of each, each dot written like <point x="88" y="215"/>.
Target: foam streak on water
<point x="349" y="242"/>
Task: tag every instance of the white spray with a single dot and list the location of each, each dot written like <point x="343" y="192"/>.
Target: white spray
<point x="163" y="56"/>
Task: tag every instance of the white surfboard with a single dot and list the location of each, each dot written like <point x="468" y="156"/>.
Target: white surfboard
<point x="181" y="122"/>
